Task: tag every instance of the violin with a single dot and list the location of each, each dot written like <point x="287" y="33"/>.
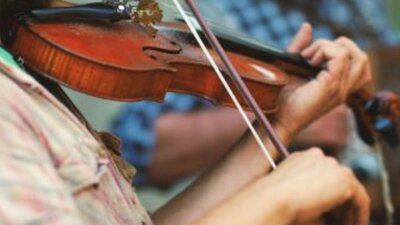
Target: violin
<point x="119" y="61"/>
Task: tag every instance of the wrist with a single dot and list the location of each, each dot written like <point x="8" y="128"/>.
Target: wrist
<point x="285" y="131"/>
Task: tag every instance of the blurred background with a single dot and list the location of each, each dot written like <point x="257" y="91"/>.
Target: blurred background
<point x="394" y="7"/>
<point x="375" y="26"/>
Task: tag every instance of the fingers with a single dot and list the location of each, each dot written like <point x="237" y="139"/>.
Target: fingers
<point x="337" y="58"/>
<point x="342" y="55"/>
<point x="356" y="210"/>
<point x="360" y="61"/>
<point x="341" y="189"/>
<point x="348" y="67"/>
<point x="361" y="204"/>
<point x="302" y="39"/>
<point x="322" y="51"/>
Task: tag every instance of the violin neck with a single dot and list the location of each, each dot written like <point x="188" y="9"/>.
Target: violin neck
<point x="248" y="46"/>
<point x="241" y="43"/>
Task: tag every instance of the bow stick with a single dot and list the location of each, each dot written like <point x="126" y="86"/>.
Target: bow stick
<point x="237" y="80"/>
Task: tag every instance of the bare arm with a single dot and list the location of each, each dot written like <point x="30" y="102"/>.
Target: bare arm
<point x="296" y="199"/>
<point x="241" y="167"/>
<point x="347" y="71"/>
<point x="192" y="142"/>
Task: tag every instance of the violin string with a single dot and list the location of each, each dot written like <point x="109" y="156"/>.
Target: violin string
<point x="238" y="81"/>
<point x="195" y="33"/>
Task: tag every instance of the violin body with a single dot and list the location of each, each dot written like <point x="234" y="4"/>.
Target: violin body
<point x="119" y="61"/>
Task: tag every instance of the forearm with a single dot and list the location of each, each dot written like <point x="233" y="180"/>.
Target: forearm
<point x="240" y="168"/>
<point x="192" y="142"/>
<point x="245" y="164"/>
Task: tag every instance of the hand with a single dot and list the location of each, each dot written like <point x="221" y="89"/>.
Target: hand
<point x="303" y="189"/>
<point x="315" y="185"/>
<point x="347" y="70"/>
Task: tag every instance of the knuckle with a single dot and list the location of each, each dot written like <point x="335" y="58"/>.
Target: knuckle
<point x="364" y="57"/>
<point x="348" y="183"/>
<point x="321" y="42"/>
<point x="331" y="161"/>
<point x="318" y="42"/>
<point x="343" y="39"/>
<point x="348" y="172"/>
<point x="316" y="151"/>
<point x="298" y="155"/>
<point x="344" y="54"/>
<point x="349" y="192"/>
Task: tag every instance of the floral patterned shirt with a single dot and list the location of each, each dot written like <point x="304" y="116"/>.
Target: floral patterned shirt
<point x="52" y="169"/>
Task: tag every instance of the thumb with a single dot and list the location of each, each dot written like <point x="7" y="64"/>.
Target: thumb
<point x="302" y="39"/>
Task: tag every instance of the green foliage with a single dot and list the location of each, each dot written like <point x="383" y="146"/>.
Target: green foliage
<point x="394" y="8"/>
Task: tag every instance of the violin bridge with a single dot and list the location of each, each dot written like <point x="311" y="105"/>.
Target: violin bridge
<point x="148" y="13"/>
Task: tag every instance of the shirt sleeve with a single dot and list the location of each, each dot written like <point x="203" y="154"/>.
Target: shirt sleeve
<point x="31" y="190"/>
<point x="135" y="126"/>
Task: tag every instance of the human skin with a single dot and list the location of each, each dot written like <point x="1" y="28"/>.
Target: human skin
<point x="194" y="141"/>
<point x="293" y="199"/>
<point x="193" y="148"/>
<point x="224" y="189"/>
<point x="347" y="71"/>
